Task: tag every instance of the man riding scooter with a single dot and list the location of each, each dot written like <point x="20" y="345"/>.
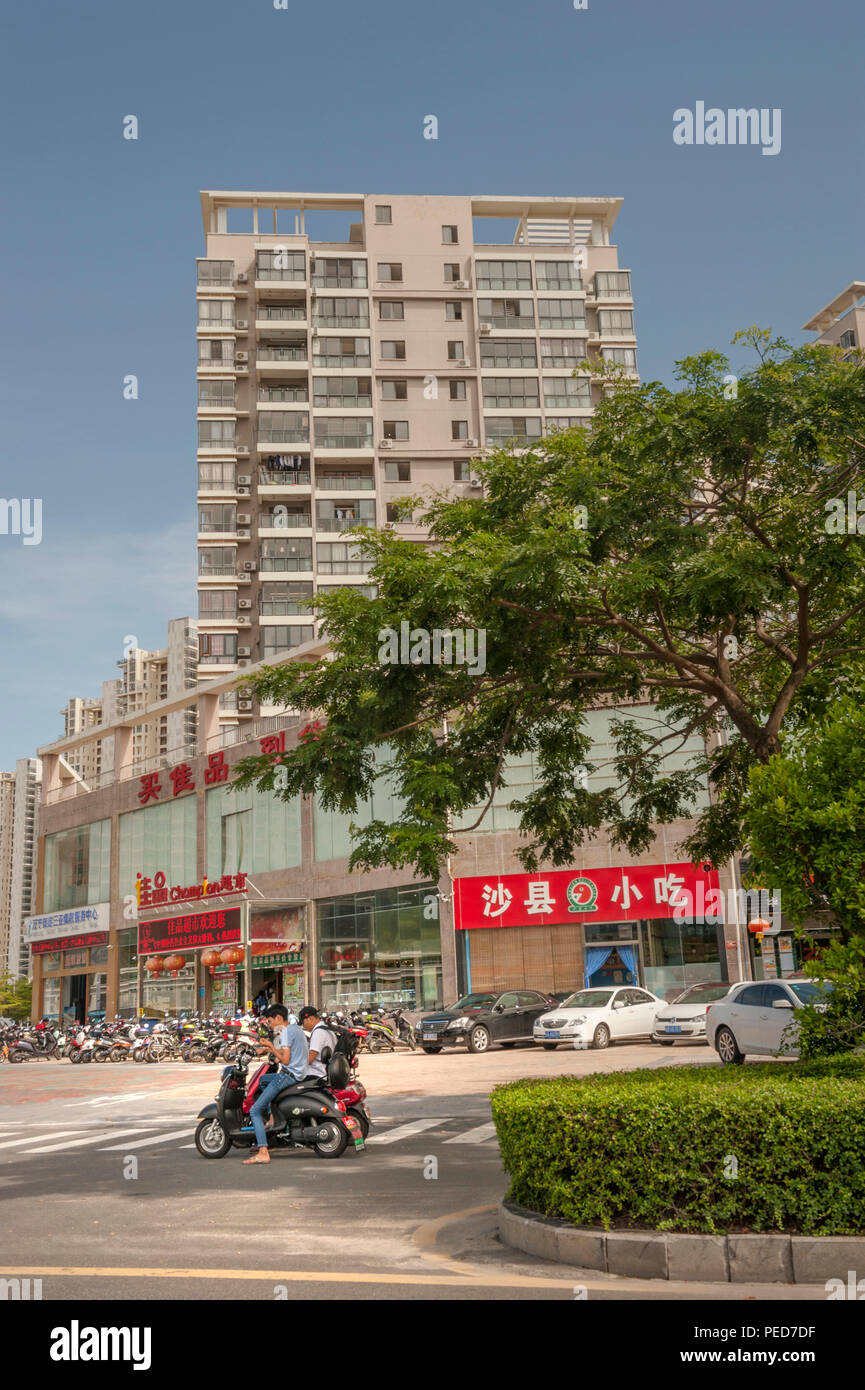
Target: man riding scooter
<point x="290" y="1050"/>
<point x="319" y="1037"/>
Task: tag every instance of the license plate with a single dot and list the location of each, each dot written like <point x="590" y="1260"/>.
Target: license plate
<point x="672" y="1028"/>
<point x="353" y="1128"/>
<point x="552" y="1033"/>
<point x="429" y="1037"/>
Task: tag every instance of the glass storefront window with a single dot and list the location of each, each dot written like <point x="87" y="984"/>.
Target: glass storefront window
<point x="678" y="954"/>
<point x="380" y="948"/>
<point x="251" y="832"/>
<point x="73" y="958"/>
<point x="77" y="864"/>
<point x="127" y="993"/>
<point x="168" y="997"/>
<point x="98" y="955"/>
<point x="96" y="994"/>
<point x="51" y="960"/>
<point x="158" y="838"/>
<point x="51" y="999"/>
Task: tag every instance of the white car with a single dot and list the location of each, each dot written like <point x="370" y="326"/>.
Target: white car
<point x="684" y="1019"/>
<point x="759" y="1018"/>
<point x="597" y="1017"/>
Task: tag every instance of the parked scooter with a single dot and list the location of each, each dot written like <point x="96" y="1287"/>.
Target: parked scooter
<point x="306" y="1115"/>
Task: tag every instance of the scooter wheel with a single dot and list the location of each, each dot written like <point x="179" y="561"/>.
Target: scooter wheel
<point x="212" y="1140"/>
<point x="362" y="1121"/>
<point x="75" y="1056"/>
<point x="334" y="1143"/>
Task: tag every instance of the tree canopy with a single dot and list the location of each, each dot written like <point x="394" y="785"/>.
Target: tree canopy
<point x="685" y="550"/>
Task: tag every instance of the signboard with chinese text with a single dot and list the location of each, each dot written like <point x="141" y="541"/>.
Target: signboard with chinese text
<point x="589" y="895"/>
<point x="218" y="928"/>
<point x="155" y="892"/>
<point x="75" y="921"/>
<point x="63" y="943"/>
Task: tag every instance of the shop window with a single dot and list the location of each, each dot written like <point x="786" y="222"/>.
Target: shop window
<point x="77" y="866"/>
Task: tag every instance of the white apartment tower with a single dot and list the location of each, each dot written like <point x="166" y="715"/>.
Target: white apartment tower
<point x="7" y="821"/>
<point x="28" y="780"/>
<point x="353" y="348"/>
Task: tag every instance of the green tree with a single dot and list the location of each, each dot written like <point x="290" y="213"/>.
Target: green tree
<point x="677" y="551"/>
<point x="15" y="997"/>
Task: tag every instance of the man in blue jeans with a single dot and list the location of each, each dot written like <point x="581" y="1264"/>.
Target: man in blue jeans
<point x="289" y="1048"/>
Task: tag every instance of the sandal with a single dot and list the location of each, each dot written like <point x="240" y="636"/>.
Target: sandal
<point x="258" y="1159"/>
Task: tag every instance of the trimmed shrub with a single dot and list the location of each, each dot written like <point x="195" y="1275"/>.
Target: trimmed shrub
<point x="766" y="1147"/>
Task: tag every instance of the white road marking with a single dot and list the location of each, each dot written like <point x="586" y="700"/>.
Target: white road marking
<point x="118" y="1099"/>
<point x="29" y="1138"/>
<point x="90" y="1139"/>
<point x="402" y="1131"/>
<point x="154" y="1139"/>
<point x="474" y="1136"/>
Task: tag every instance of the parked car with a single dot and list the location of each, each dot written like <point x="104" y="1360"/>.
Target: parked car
<point x="478" y="1020"/>
<point x="597" y="1017"/>
<point x="759" y="1018"/>
<point x="684" y="1018"/>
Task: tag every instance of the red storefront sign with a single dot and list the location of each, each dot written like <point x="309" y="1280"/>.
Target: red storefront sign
<point x="69" y="943"/>
<point x="218" y="928"/>
<point x="588" y="895"/>
<point x="156" y="891"/>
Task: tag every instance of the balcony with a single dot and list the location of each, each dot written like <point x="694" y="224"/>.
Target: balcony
<point x="272" y="395"/>
<point x="344" y="441"/>
<point x="284" y="521"/>
<point x="342" y="320"/>
<point x="218" y="572"/>
<point x="343" y="482"/>
<point x="286" y="478"/>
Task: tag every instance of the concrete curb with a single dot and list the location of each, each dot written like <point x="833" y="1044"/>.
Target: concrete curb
<point x="734" y="1259"/>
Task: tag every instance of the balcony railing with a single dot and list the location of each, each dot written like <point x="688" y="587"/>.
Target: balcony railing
<point x="292" y="273"/>
<point x="285" y="608"/>
<point x="291" y="521"/>
<point x="344" y="441"/>
<point x="281" y="312"/>
<point x="337" y="523"/>
<point x="205" y="526"/>
<point x="342" y="320"/>
<point x="284" y="437"/>
<point x="218" y="572"/>
<point x="283" y="393"/>
<point x="227" y="485"/>
<point x="295" y="353"/>
<point x="350" y="359"/>
<point x="339" y="282"/>
<point x="284" y="564"/>
<point x="349" y="482"/>
<point x="286" y="476"/>
<point x="549" y="324"/>
<point x="524" y="323"/>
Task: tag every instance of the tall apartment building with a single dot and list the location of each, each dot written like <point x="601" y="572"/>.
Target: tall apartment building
<point x="337" y="375"/>
<point x="7" y="820"/>
<point x="28" y="783"/>
<point x="842" y="322"/>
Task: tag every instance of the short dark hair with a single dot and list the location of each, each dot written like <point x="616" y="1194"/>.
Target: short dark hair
<point x="276" y="1011"/>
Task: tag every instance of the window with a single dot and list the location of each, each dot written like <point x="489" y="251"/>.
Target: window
<point x="285" y="598"/>
<point x="283" y="556"/>
<point x="561" y="313"/>
<point x="339" y="273"/>
<point x="389" y="270"/>
<point x="394" y="390"/>
<point x="281" y="637"/>
<point x="507" y="392"/>
<point x="77" y="866"/>
<point x="567" y="391"/>
<point x="158" y="839"/>
<point x="459" y="429"/>
<point x="751" y="996"/>
<point x="508" y="352"/>
<point x="339" y="557"/>
<point x="216" y="393"/>
<point x="461" y="471"/>
<point x="383" y="214"/>
<point x="457" y="390"/>
<point x="341" y="515"/>
<point x="391" y="309"/>
<point x="341" y="313"/>
<point x="848" y="339"/>
<point x="331" y="392"/>
<point x="612" y="284"/>
<point x="211" y="273"/>
<point x="249" y="831"/>
<point x="395" y="471"/>
<point x="503" y="275"/>
<point x="618" y="323"/>
<point x="283" y="427"/>
<point x="624" y="357"/>
<point x="217" y="648"/>
<point x="453" y="311"/>
<point x="393" y="513"/>
<point x="562" y="352"/>
<point x="392" y="350"/>
<point x="341" y="352"/>
<point x="216" y="477"/>
<point x="217" y="603"/>
<point x="449" y="235"/>
<point x="218" y="560"/>
<point x="216" y="434"/>
<point x="219" y="311"/>
<point x="280" y="264"/>
<point x="500" y="428"/>
<point x="343" y="432"/>
<point x="456" y="350"/>
<point x="451" y="271"/>
<point x="216" y="352"/>
<point x="396" y="429"/>
<point x="507" y="313"/>
<point x="558" y="275"/>
<point x="216" y="517"/>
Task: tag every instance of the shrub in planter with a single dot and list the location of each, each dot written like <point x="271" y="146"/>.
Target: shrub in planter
<point x="769" y="1147"/>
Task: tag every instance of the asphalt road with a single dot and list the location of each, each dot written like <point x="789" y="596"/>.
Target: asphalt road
<point x="105" y="1197"/>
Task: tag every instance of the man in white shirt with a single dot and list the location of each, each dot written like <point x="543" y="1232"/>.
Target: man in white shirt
<point x="319" y="1037"/>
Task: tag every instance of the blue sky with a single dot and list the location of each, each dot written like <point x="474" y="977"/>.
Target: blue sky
<point x="102" y="233"/>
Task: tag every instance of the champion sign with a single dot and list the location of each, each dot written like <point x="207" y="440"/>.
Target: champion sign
<point x="570" y="895"/>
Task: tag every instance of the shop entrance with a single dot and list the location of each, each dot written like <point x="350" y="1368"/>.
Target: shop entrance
<point x="74" y="999"/>
<point x="612" y="965"/>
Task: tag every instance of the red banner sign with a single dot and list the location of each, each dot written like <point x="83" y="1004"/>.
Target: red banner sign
<point x="155" y="892"/>
<point x="68" y="943"/>
<point x="218" y="928"/>
<point x="588" y="895"/>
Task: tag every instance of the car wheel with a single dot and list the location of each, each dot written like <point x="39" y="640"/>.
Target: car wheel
<point x="728" y="1048"/>
<point x="549" y="1047"/>
<point x="601" y="1038"/>
<point x="432" y="1050"/>
<point x="479" y="1039"/>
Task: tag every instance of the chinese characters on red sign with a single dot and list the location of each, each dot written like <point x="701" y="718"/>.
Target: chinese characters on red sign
<point x="220" y="928"/>
<point x="154" y="892"/>
<point x="568" y="895"/>
<point x="272" y="745"/>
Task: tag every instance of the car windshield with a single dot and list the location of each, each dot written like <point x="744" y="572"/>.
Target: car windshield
<point x="588" y="999"/>
<point x="809" y="991"/>
<point x="702" y="994"/>
<point x="475" y="1001"/>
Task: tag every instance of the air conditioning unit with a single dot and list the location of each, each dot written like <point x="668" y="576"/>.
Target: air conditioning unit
<point x="244" y="603"/>
<point x="385" y="444"/>
<point x="244" y="479"/>
<point x="244" y="651"/>
<point x="244" y="662"/>
<point x="461" y="284"/>
<point x="241" y="277"/>
<point x="244" y="706"/>
<point x="241" y="357"/>
<point x="470" y="443"/>
<point x="463" y="362"/>
<point x="242" y="491"/>
<point x="244" y="519"/>
<point x="244" y="621"/>
<point x="249" y="565"/>
<point x="485" y="328"/>
<point x="243" y="533"/>
<point x="242" y="451"/>
<point x="474" y="481"/>
<point x="241" y="325"/>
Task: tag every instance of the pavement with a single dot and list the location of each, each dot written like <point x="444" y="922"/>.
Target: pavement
<point x="105" y="1196"/>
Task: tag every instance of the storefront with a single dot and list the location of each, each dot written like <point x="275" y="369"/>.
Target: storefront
<point x="70" y="962"/>
<point x="567" y="929"/>
<point x="380" y="948"/>
<point x="276" y="948"/>
<point x="179" y="955"/>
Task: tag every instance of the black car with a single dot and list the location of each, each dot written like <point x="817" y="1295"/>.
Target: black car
<point x="478" y="1020"/>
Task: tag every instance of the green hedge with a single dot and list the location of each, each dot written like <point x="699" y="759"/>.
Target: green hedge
<point x="650" y="1148"/>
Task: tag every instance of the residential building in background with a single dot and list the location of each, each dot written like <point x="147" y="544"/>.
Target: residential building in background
<point x="28" y="782"/>
<point x="355" y="348"/>
<point x="7" y="820"/>
<point x="842" y="322"/>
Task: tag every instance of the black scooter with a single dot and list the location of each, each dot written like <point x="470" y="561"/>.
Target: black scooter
<point x="305" y="1116"/>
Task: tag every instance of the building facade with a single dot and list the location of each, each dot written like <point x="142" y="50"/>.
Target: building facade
<point x="841" y="323"/>
<point x="7" y="821"/>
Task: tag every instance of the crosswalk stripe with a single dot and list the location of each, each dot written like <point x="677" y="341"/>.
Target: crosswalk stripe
<point x="29" y="1138"/>
<point x="90" y="1139"/>
<point x="474" y="1136"/>
<point x="154" y="1139"/>
<point x="402" y="1131"/>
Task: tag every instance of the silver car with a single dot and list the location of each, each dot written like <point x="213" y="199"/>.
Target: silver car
<point x="684" y="1020"/>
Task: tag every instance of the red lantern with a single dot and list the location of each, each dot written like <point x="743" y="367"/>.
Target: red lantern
<point x="210" y="959"/>
<point x="174" y="963"/>
<point x="154" y="964"/>
<point x="232" y="956"/>
<point x="759" y="924"/>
